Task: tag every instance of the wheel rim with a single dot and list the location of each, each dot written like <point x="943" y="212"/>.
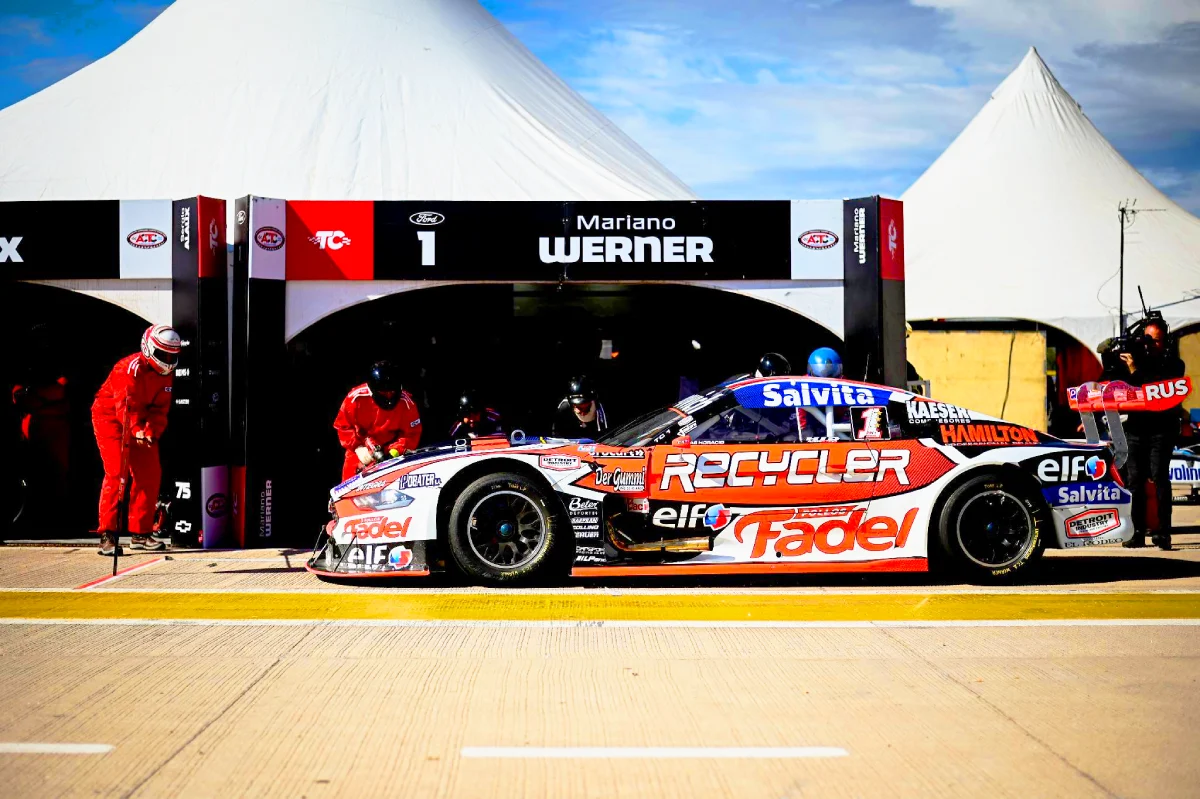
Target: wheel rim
<point x="506" y="530"/>
<point x="994" y="529"/>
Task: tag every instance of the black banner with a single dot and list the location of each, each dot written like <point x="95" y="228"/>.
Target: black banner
<point x="60" y="240"/>
<point x="586" y="241"/>
<point x="181" y="473"/>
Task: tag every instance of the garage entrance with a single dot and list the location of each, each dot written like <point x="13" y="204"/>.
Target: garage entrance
<point x="516" y="345"/>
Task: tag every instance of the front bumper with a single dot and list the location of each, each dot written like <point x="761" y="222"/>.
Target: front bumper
<point x="368" y="558"/>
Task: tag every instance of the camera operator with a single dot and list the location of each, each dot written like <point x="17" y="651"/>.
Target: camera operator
<point x="1147" y="358"/>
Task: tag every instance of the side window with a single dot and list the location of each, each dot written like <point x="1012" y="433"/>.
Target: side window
<point x="828" y="423"/>
<point x="738" y="425"/>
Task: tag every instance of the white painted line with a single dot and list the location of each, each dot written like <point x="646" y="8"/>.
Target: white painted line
<point x="652" y="752"/>
<point x="54" y="749"/>
<point x="759" y="625"/>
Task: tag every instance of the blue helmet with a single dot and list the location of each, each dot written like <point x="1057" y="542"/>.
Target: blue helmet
<point x="824" y="362"/>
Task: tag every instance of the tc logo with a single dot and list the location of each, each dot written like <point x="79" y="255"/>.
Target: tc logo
<point x="330" y="239"/>
<point x="8" y="250"/>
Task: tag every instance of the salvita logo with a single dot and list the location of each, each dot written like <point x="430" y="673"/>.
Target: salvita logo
<point x="185" y="227"/>
<point x="818" y="239"/>
<point x="1095" y="467"/>
<point x="427" y="218"/>
<point x="1086" y="494"/>
<point x="8" y="250"/>
<point x="146" y="238"/>
<point x="269" y="238"/>
<point x="803" y="395"/>
<point x="330" y="239"/>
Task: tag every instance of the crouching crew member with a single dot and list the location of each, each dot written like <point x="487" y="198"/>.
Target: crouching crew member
<point x="579" y="414"/>
<point x="377" y="420"/>
<point x="129" y="416"/>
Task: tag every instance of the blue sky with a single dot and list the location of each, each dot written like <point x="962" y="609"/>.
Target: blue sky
<point x="788" y="98"/>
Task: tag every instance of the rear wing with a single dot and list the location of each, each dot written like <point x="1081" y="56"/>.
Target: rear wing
<point x="1114" y="397"/>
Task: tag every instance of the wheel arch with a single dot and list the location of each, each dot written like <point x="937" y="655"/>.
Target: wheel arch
<point x="469" y="474"/>
<point x="1012" y="470"/>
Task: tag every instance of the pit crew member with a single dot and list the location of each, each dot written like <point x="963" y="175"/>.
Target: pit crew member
<point x="474" y="418"/>
<point x="579" y="414"/>
<point x="129" y="416"/>
<point x="377" y="420"/>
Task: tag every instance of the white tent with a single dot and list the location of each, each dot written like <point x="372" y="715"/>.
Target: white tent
<point x="321" y="99"/>
<point x="1018" y="219"/>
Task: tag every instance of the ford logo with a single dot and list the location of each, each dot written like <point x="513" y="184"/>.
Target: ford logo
<point x="427" y="218"/>
<point x="147" y="238"/>
<point x="818" y="239"/>
<point x="269" y="238"/>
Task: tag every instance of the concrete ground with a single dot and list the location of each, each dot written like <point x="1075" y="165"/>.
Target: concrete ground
<point x="239" y="674"/>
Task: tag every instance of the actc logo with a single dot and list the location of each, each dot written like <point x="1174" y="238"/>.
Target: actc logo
<point x="818" y="239"/>
<point x="268" y="238"/>
<point x="146" y="238"/>
<point x="1096" y="467"/>
<point x="330" y="239"/>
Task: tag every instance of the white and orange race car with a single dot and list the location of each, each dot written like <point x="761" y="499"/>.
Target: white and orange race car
<point x="758" y="475"/>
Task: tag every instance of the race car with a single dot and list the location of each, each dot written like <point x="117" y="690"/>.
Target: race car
<point x="757" y="475"/>
<point x="1185" y="474"/>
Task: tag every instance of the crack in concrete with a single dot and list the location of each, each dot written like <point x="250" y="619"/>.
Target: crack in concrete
<point x="1000" y="712"/>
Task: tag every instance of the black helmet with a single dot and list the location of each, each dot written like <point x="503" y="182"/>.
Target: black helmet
<point x="384" y="382"/>
<point x="580" y="391"/>
<point x="773" y="364"/>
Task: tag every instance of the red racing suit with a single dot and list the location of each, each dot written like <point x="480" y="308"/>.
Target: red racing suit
<point x="133" y="386"/>
<point x="360" y="419"/>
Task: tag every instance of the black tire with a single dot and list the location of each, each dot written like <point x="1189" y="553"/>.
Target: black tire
<point x="481" y="544"/>
<point x="992" y="527"/>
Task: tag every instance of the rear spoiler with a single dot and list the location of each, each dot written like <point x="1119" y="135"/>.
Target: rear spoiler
<point x="1114" y="397"/>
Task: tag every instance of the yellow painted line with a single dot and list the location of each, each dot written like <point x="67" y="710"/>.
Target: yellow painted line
<point x="543" y="607"/>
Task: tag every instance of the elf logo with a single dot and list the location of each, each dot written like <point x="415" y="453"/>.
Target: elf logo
<point x="818" y="239"/>
<point x="687" y="517"/>
<point x="146" y="238"/>
<point x="1070" y="468"/>
<point x="330" y="239"/>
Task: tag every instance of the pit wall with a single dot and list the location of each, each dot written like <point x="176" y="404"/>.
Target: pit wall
<point x="971" y="368"/>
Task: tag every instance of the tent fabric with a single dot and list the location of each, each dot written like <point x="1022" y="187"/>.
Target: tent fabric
<point x="1018" y="219"/>
<point x="321" y="99"/>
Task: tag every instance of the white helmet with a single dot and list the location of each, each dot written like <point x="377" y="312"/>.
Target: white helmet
<point x="161" y="345"/>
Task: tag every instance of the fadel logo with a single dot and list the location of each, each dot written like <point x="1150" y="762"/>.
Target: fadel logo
<point x="427" y="218"/>
<point x="269" y="238"/>
<point x="376" y="527"/>
<point x="792" y="538"/>
<point x="8" y="250"/>
<point x="818" y="239"/>
<point x="146" y="238"/>
<point x="330" y="239"/>
<point x="1096" y="467"/>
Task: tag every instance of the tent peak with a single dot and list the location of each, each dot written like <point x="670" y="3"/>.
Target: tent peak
<point x="1033" y="77"/>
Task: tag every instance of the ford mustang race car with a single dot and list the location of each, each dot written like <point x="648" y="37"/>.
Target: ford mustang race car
<point x="757" y="475"/>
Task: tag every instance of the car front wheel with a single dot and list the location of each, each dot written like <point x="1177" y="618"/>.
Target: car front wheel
<point x="503" y="528"/>
<point x="992" y="527"/>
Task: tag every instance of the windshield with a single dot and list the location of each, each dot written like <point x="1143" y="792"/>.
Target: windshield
<point x="642" y="429"/>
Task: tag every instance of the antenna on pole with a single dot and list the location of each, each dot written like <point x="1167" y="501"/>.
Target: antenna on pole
<point x="1127" y="213"/>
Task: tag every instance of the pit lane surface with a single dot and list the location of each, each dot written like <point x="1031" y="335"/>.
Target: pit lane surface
<point x="238" y="674"/>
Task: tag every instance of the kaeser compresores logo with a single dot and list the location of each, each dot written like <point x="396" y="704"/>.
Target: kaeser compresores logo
<point x="268" y="238"/>
<point x="427" y="218"/>
<point x="818" y="239"/>
<point x="146" y="238"/>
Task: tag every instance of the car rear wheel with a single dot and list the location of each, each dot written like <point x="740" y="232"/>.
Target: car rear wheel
<point x="503" y="528"/>
<point x="992" y="527"/>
